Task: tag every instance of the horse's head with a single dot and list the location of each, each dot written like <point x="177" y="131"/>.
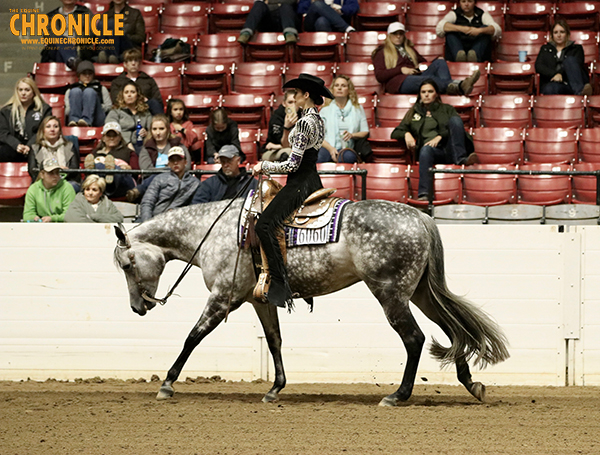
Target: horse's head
<point x="143" y="263"/>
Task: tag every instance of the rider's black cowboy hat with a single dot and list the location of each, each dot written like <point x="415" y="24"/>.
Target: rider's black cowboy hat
<point x="311" y="84"/>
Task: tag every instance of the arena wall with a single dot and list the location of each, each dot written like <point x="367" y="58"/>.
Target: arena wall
<point x="64" y="313"/>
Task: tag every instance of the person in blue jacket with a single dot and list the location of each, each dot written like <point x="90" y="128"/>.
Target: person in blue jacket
<point x="328" y="15"/>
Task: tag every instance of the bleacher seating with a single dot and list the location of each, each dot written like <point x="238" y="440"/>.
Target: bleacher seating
<point x="53" y="77"/>
<point x="498" y="145"/>
<point x="14" y="182"/>
<point x="489" y="189"/>
<point x="447" y="188"/>
<point x="544" y="189"/>
<point x="385" y="149"/>
<point x="319" y="47"/>
<point x="550" y="145"/>
<point x="528" y="16"/>
<point x="559" y="111"/>
<point x="211" y="78"/>
<point x="219" y="48"/>
<point x="228" y="17"/>
<point x="506" y="111"/>
<point x="378" y="15"/>
<point x="424" y="16"/>
<point x="257" y="78"/>
<point x="185" y="18"/>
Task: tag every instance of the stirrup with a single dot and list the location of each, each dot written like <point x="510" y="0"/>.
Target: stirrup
<point x="262" y="287"/>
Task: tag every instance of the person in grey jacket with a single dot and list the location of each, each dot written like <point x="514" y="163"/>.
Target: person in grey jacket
<point x="129" y="108"/>
<point x="169" y="190"/>
<point x="91" y="205"/>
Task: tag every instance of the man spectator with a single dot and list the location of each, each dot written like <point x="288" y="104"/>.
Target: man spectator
<point x="228" y="181"/>
<point x="132" y="60"/>
<point x="271" y="16"/>
<point x="134" y="31"/>
<point x="169" y="190"/>
<point x="70" y="54"/>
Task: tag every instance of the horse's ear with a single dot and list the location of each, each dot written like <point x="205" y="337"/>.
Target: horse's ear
<point x="120" y="232"/>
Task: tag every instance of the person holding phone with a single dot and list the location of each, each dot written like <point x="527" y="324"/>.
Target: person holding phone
<point x="283" y="118"/>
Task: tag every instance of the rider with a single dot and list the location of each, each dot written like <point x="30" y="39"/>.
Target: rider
<point x="305" y="139"/>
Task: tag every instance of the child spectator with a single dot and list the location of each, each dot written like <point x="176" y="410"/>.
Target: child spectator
<point x="170" y="190"/>
<point x="91" y="205"/>
<point x="271" y="16"/>
<point x="134" y="31"/>
<point x="50" y="143"/>
<point x="132" y="59"/>
<point x="221" y="131"/>
<point x="328" y="15"/>
<point x="20" y="119"/>
<point x="273" y="150"/>
<point x="49" y="197"/>
<point x="131" y="108"/>
<point x="181" y="126"/>
<point x="87" y="101"/>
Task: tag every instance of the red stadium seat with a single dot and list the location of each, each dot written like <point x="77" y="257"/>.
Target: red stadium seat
<point x="151" y="15"/>
<point x="319" y="47"/>
<point x="249" y="111"/>
<point x="185" y="18"/>
<point x="342" y="182"/>
<point x="88" y="138"/>
<point x="106" y="72"/>
<point x="424" y="16"/>
<point x="390" y="109"/>
<point x="368" y="104"/>
<point x="465" y="107"/>
<point x="462" y="70"/>
<point x="528" y="16"/>
<point x="386" y="181"/>
<point x="559" y="111"/>
<point x="249" y="138"/>
<point x="167" y="77"/>
<point x="447" y="188"/>
<point x="14" y="182"/>
<point x="579" y="15"/>
<point x="206" y="78"/>
<point x="260" y="78"/>
<point x="221" y="48"/>
<point x="378" y="15"/>
<point x="388" y="150"/>
<point x="228" y="17"/>
<point x="267" y="47"/>
<point x="428" y="44"/>
<point x="489" y="189"/>
<point x="362" y="75"/>
<point x="512" y="77"/>
<point x="206" y="167"/>
<point x="507" y="111"/>
<point x="494" y="9"/>
<point x="589" y="42"/>
<point x="324" y="70"/>
<point x="199" y="106"/>
<point x="584" y="186"/>
<point x="544" y="189"/>
<point x="57" y="103"/>
<point x="360" y="45"/>
<point x="510" y="43"/>
<point x="550" y="145"/>
<point x="498" y="145"/>
<point x="53" y="77"/>
<point x="589" y="138"/>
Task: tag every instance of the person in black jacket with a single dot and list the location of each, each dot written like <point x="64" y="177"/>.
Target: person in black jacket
<point x="273" y="150"/>
<point x="561" y="64"/>
<point x="228" y="180"/>
<point x="134" y="31"/>
<point x="221" y="131"/>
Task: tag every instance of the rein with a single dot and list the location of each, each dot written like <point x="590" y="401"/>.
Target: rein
<point x="189" y="265"/>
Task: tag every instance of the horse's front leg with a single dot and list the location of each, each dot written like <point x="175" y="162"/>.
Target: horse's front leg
<point x="270" y="323"/>
<point x="212" y="316"/>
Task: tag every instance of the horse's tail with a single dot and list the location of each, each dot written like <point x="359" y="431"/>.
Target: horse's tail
<point x="473" y="333"/>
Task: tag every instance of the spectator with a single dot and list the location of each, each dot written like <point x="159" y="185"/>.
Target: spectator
<point x="87" y="101"/>
<point x="328" y="15"/>
<point x="346" y="127"/>
<point x="51" y="144"/>
<point x="134" y="31"/>
<point x="132" y="60"/>
<point x="182" y="127"/>
<point x="49" y="197"/>
<point x="70" y="54"/>
<point x="561" y="64"/>
<point x="230" y="179"/>
<point x="435" y="133"/>
<point x="91" y="205"/>
<point x="397" y="67"/>
<point x="131" y="109"/>
<point x="273" y="150"/>
<point x="20" y="119"/>
<point x="170" y="190"/>
<point x="221" y="131"/>
<point x="113" y="153"/>
<point x="271" y="16"/>
<point x="469" y="32"/>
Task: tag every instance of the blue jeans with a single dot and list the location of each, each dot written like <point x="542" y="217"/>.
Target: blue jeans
<point x="121" y="43"/>
<point x="261" y="18"/>
<point x="573" y="81"/>
<point x="454" y="152"/>
<point x="480" y="44"/>
<point x="345" y="156"/>
<point x="322" y="18"/>
<point x="437" y="70"/>
<point x="86" y="105"/>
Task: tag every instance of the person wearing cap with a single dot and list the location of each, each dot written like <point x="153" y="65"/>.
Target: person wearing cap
<point x="228" y="181"/>
<point x="305" y="140"/>
<point x="92" y="205"/>
<point x="113" y="153"/>
<point x="48" y="199"/>
<point x="169" y="190"/>
<point x="469" y="32"/>
<point x="50" y="143"/>
<point x="328" y="15"/>
<point x="271" y="16"/>
<point x="87" y="101"/>
<point x="396" y="64"/>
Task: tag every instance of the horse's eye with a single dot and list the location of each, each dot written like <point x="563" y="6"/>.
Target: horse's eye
<point x="126" y="266"/>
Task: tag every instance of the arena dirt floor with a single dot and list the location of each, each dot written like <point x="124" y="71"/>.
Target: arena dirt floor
<point x="112" y="417"/>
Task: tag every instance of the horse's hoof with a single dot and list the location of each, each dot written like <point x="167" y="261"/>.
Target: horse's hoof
<point x="270" y="397"/>
<point x="478" y="391"/>
<point x="165" y="393"/>
<point x="388" y="401"/>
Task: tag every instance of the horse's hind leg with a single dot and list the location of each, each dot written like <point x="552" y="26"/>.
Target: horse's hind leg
<point x="270" y="323"/>
<point x="422" y="299"/>
<point x="212" y="316"/>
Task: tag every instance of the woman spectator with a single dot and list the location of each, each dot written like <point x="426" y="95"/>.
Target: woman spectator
<point x="91" y="205"/>
<point x="221" y="131"/>
<point x="87" y="101"/>
<point x="469" y="32"/>
<point x="397" y="67"/>
<point x="435" y="133"/>
<point x="20" y="119"/>
<point x="113" y="153"/>
<point x="50" y="143"/>
<point x="131" y="109"/>
<point x="49" y="197"/>
<point x="181" y="126"/>
<point x="328" y="16"/>
<point x="285" y="114"/>
<point x="346" y="127"/>
<point x="561" y="64"/>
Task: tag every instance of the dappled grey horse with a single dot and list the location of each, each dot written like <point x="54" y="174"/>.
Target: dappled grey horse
<point x="395" y="249"/>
